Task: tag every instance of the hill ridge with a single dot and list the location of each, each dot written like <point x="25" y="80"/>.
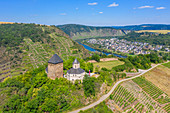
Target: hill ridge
<point x="77" y="31"/>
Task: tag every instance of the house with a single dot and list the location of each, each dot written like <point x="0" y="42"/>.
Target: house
<point x="55" y="67"/>
<point x="75" y="73"/>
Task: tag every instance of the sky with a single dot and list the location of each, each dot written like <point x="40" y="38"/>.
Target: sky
<point x="86" y="12"/>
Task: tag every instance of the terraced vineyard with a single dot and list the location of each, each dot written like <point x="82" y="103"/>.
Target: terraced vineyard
<point x="156" y="93"/>
<point x="131" y="98"/>
<point x="31" y="54"/>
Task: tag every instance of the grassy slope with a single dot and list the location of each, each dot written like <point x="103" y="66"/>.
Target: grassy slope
<point x="167" y="64"/>
<point x="35" y="54"/>
<point x="108" y="64"/>
<point x="101" y="108"/>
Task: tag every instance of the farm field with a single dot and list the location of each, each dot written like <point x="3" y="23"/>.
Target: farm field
<point x="160" y="77"/>
<point x="154" y="31"/>
<point x="108" y="64"/>
<point x="6" y="22"/>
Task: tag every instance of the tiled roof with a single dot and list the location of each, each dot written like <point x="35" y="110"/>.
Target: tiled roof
<point x="75" y="71"/>
<point x="55" y="59"/>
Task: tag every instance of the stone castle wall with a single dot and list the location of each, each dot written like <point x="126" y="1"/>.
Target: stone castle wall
<point x="55" y="70"/>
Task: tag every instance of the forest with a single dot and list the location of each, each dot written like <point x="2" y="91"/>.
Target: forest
<point x="12" y="35"/>
<point x="138" y="62"/>
<point x="76" y="31"/>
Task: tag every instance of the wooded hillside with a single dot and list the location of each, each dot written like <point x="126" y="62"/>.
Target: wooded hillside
<point x="81" y="31"/>
<point x="27" y="46"/>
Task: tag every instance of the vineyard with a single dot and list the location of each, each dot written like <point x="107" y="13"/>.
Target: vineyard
<point x="156" y="93"/>
<point x="31" y="54"/>
<point x="131" y="98"/>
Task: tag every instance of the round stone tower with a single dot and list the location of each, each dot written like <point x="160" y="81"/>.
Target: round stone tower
<point x="55" y="67"/>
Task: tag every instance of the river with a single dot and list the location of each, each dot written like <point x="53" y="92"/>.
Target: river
<point x="93" y="50"/>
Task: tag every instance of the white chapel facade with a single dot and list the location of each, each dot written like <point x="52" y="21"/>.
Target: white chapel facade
<point x="75" y="73"/>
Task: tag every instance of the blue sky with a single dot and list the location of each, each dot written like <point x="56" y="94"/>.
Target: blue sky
<point x="87" y="12"/>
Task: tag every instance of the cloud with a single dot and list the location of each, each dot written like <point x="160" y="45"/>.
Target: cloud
<point x="158" y="8"/>
<point x="113" y="5"/>
<point x="142" y="7"/>
<point x="94" y="3"/>
<point x="63" y="14"/>
<point x="101" y="12"/>
<point x="77" y="8"/>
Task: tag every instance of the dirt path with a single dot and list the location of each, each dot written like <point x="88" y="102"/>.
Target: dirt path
<point x="104" y="97"/>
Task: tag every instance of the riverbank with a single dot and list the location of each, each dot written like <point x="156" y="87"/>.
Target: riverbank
<point x="97" y="50"/>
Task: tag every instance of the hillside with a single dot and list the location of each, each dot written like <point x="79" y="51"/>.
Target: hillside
<point x="148" y="93"/>
<point x="81" y="31"/>
<point x="160" y="77"/>
<point x="27" y="46"/>
<point x="144" y="27"/>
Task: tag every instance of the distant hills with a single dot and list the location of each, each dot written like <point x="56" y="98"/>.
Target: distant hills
<point x="144" y="27"/>
<point x="76" y="31"/>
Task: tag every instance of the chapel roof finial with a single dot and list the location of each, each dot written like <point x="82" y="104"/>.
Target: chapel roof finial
<point x="76" y="62"/>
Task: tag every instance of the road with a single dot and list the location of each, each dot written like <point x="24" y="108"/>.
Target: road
<point x="104" y="97"/>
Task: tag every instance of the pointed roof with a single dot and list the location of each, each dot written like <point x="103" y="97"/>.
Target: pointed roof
<point x="55" y="59"/>
<point x="76" y="62"/>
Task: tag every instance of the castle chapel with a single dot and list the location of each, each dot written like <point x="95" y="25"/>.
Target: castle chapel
<point x="55" y="69"/>
<point x="75" y="73"/>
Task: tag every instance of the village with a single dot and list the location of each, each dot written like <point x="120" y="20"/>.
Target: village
<point x="126" y="46"/>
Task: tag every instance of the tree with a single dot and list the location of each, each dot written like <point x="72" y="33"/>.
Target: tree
<point x="96" y="57"/>
<point x="49" y="105"/>
<point x="97" y="69"/>
<point x="88" y="85"/>
<point x="123" y="75"/>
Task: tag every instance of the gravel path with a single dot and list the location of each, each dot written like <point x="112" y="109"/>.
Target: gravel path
<point x="104" y="97"/>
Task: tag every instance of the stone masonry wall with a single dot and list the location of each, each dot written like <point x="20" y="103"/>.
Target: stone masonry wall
<point x="55" y="70"/>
